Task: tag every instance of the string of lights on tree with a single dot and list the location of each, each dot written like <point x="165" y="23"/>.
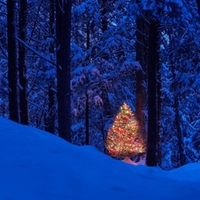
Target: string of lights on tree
<point x="123" y="138"/>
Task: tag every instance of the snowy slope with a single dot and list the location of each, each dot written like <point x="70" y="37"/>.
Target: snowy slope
<point x="40" y="166"/>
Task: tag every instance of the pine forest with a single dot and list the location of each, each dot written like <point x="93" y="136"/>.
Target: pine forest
<point x="120" y="75"/>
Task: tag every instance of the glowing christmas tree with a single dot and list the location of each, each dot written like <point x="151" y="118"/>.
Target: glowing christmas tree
<point x="123" y="138"/>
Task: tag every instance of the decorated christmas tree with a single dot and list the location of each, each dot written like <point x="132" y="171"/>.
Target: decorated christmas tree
<point x="123" y="138"/>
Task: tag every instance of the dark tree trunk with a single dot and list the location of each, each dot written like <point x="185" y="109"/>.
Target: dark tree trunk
<point x="153" y="61"/>
<point x="104" y="22"/>
<point x="87" y="133"/>
<point x="22" y="64"/>
<point x="87" y="138"/>
<point x="103" y="14"/>
<point x="88" y="35"/>
<point x="158" y="92"/>
<point x="198" y="3"/>
<point x="182" y="157"/>
<point x="106" y="102"/>
<point x="106" y="114"/>
<point x="63" y="31"/>
<point x="142" y="57"/>
<point x="12" y="62"/>
<point x="50" y="116"/>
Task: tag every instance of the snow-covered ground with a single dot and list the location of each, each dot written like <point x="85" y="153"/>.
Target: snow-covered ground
<point x="40" y="166"/>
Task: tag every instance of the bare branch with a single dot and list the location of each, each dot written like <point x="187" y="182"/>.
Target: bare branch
<point x="35" y="51"/>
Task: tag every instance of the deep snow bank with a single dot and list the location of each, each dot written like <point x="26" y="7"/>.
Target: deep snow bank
<point x="40" y="166"/>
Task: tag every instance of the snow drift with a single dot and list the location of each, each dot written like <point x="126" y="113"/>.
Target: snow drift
<point x="40" y="166"/>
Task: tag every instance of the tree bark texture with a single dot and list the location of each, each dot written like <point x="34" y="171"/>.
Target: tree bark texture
<point x="158" y="95"/>
<point x="87" y="135"/>
<point x="51" y="114"/>
<point x="23" y="103"/>
<point x="12" y="62"/>
<point x="103" y="14"/>
<point x="63" y="31"/>
<point x="151" y="158"/>
<point x="182" y="158"/>
<point x="198" y="4"/>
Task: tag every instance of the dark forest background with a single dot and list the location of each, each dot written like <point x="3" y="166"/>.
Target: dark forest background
<point x="67" y="66"/>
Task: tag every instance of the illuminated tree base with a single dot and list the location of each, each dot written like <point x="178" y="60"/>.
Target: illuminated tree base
<point x="129" y="161"/>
